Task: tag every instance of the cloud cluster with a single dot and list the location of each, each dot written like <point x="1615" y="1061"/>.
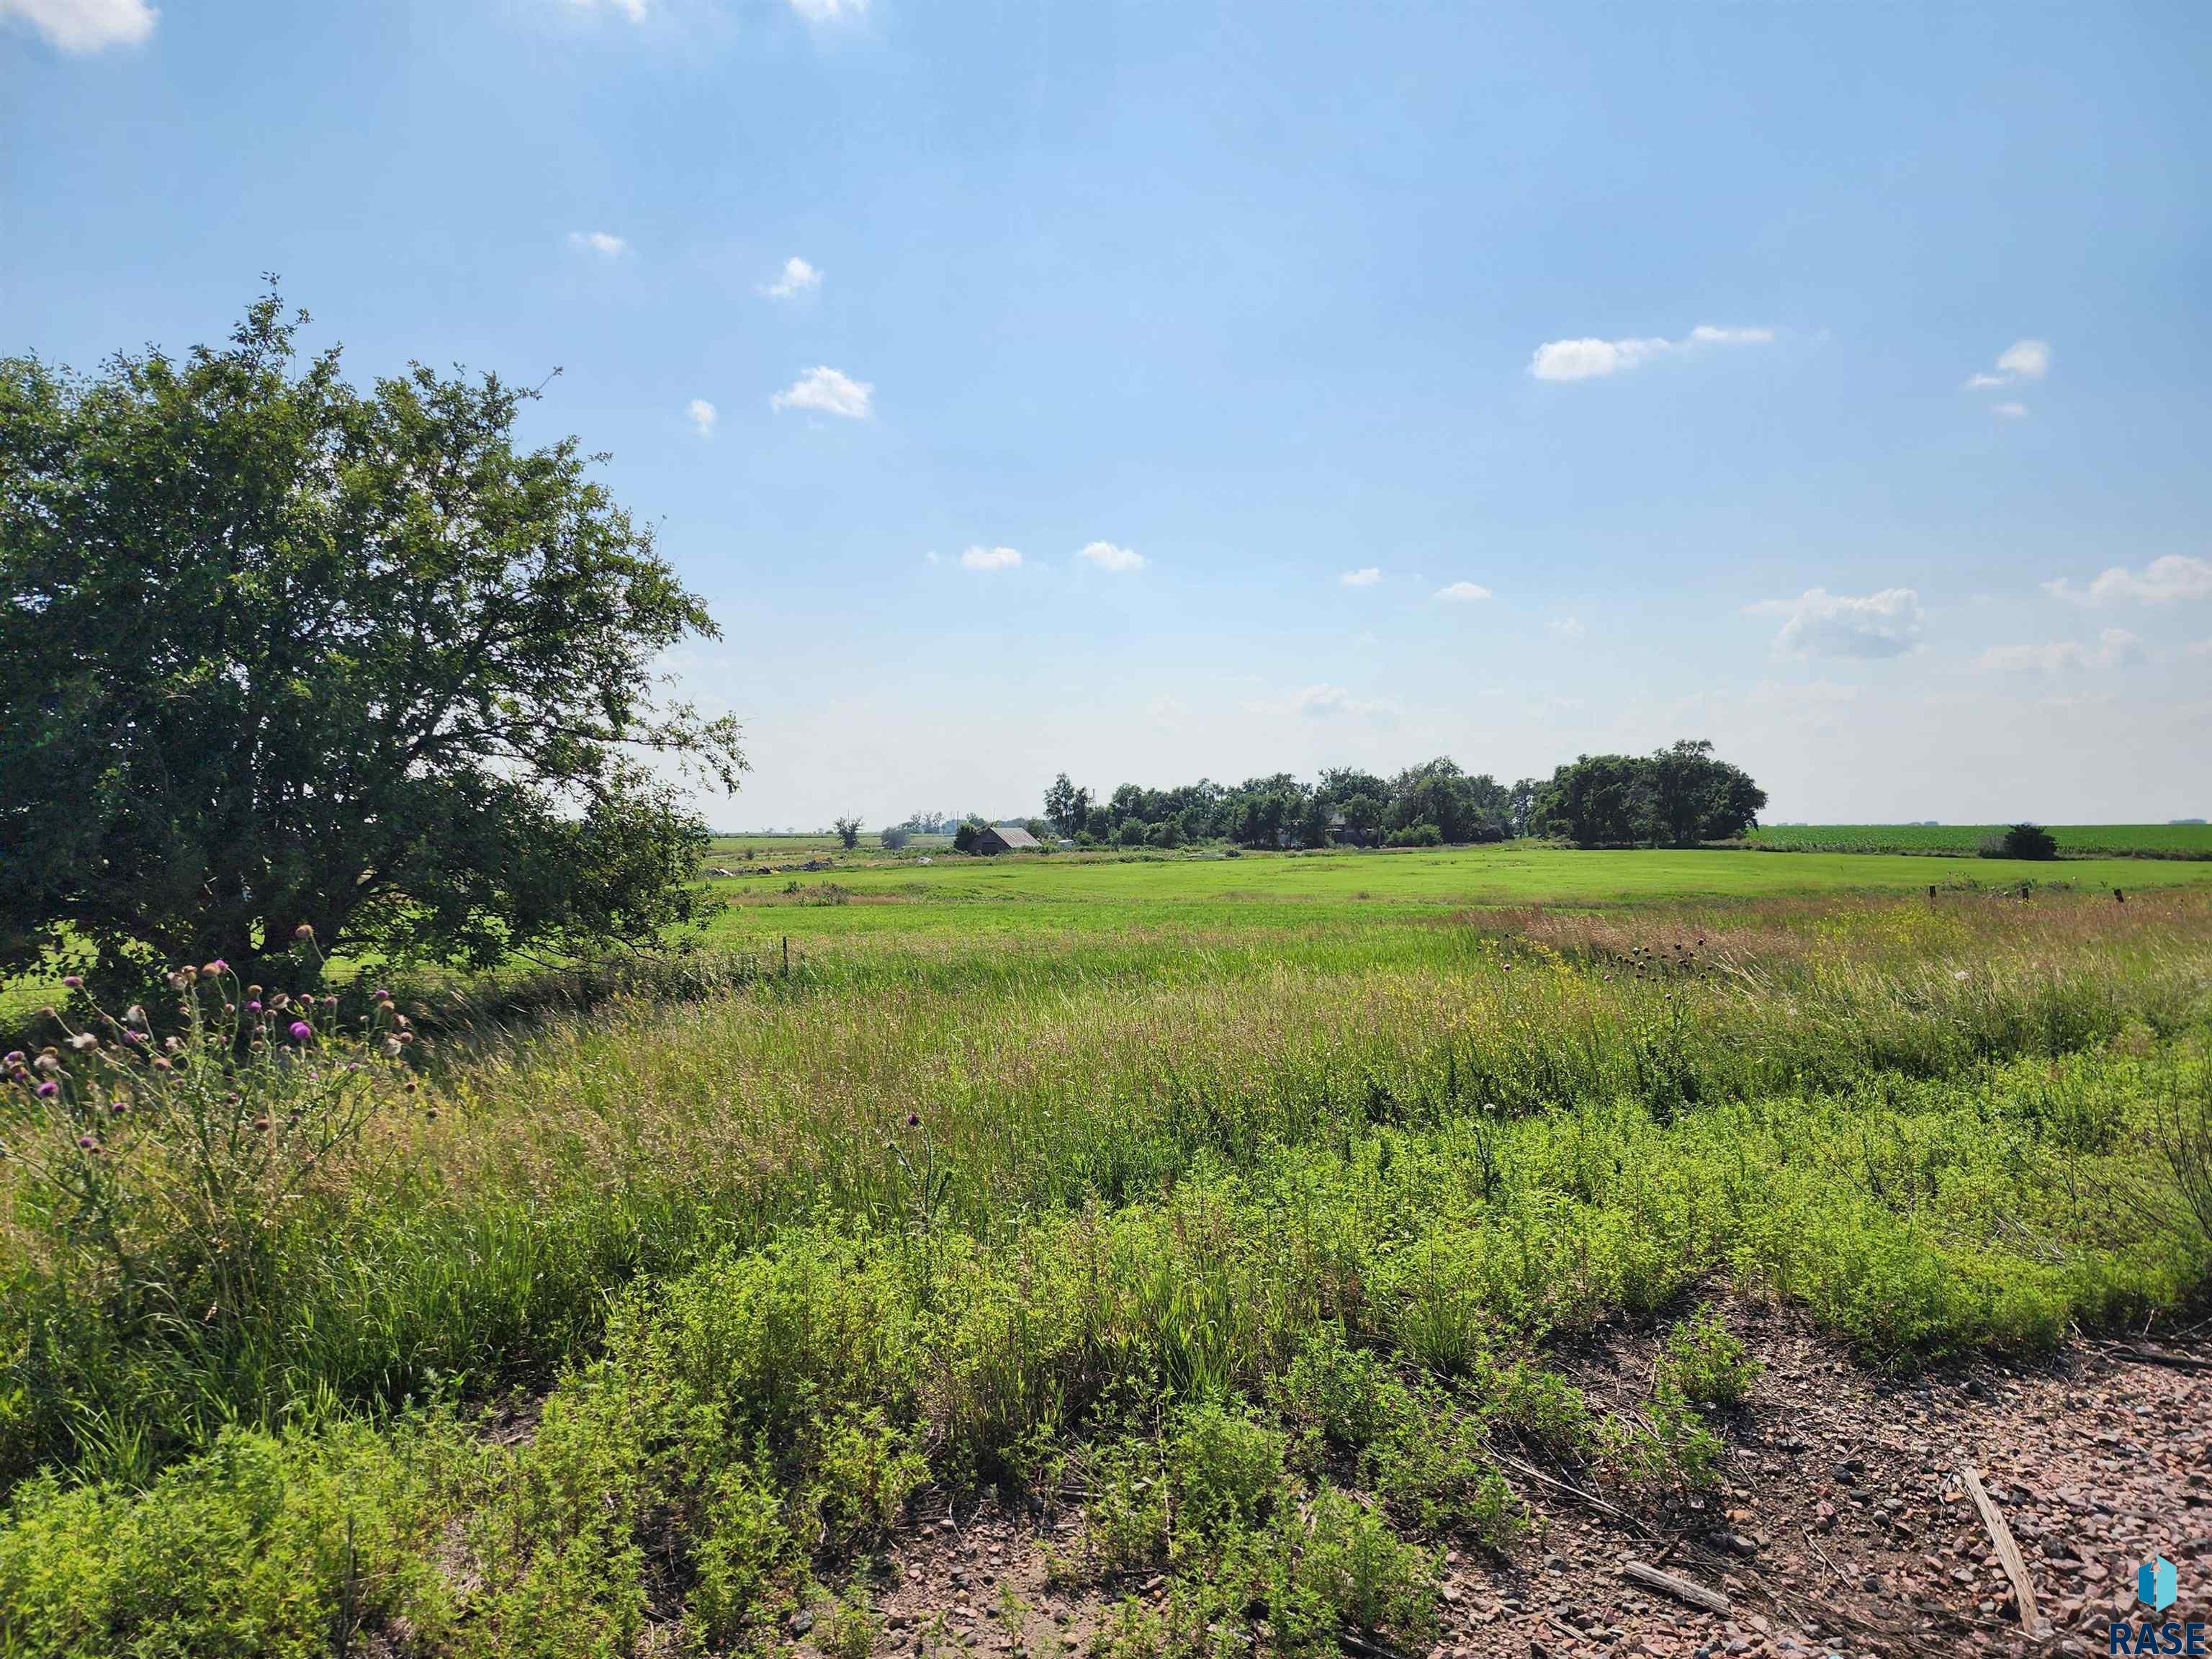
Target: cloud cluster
<point x="702" y="416"/>
<point x="2115" y="649"/>
<point x="1462" y="593"/>
<point x="797" y="278"/>
<point x="1366" y="576"/>
<point x="1121" y="561"/>
<point x="1593" y="359"/>
<point x="830" y="11"/>
<point x="85" y="24"/>
<point x="1819" y="623"/>
<point x="825" y="390"/>
<point x="2161" y="581"/>
<point x="992" y="558"/>
<point x="605" y="244"/>
<point x="2023" y="360"/>
<point x="1329" y="702"/>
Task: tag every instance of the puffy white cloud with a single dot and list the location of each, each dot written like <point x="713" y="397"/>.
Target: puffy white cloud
<point x="605" y="244"/>
<point x="1329" y="702"/>
<point x="2023" y="360"/>
<point x="2116" y="647"/>
<point x="826" y="391"/>
<point x="702" y="416"/>
<point x="991" y="558"/>
<point x="2010" y="411"/>
<point x="85" y="24"/>
<point x="1119" y="560"/>
<point x="1819" y="623"/>
<point x="1593" y="359"/>
<point x="797" y="278"/>
<point x="1366" y="576"/>
<point x="830" y="11"/>
<point x="2163" y="580"/>
<point x="1462" y="592"/>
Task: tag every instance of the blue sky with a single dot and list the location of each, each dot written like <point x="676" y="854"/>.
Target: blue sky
<point x="1834" y="382"/>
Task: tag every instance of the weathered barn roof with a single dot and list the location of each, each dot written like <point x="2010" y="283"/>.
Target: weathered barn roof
<point x="1013" y="834"/>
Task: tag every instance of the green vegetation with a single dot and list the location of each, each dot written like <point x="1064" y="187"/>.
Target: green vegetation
<point x="277" y="655"/>
<point x="1260" y="1213"/>
<point x="2076" y="841"/>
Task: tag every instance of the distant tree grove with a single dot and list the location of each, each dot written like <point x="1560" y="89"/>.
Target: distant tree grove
<point x="1678" y="796"/>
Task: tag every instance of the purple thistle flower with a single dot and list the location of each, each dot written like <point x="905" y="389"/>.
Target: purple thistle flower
<point x="49" y="1089"/>
<point x="254" y="1007"/>
<point x="86" y="1142"/>
<point x="218" y="966"/>
<point x="75" y="981"/>
<point x="301" y="1030"/>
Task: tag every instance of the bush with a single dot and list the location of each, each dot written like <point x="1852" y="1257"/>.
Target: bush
<point x="1417" y="835"/>
<point x="1708" y="1362"/>
<point x="2022" y="841"/>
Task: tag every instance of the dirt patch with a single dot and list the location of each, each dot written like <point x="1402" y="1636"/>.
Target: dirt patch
<point x="1842" y="1525"/>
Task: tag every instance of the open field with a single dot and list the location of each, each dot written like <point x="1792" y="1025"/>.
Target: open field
<point x="1222" y="1240"/>
<point x="2148" y="840"/>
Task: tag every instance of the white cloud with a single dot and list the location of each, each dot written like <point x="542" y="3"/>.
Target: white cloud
<point x="1367" y="576"/>
<point x="1462" y="592"/>
<point x="2116" y="647"/>
<point x="85" y="24"/>
<point x="1819" y="623"/>
<point x="702" y="416"/>
<point x="830" y="11"/>
<point x="1594" y="359"/>
<point x="2162" y="581"/>
<point x="2010" y="411"/>
<point x="633" y="9"/>
<point x="1107" y="557"/>
<point x="827" y="391"/>
<point x="2023" y="360"/>
<point x="797" y="278"/>
<point x="1327" y="701"/>
<point x="606" y="245"/>
<point x="1568" y="627"/>
<point x="991" y="558"/>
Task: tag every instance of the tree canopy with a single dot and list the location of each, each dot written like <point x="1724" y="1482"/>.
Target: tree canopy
<point x="277" y="653"/>
<point x="1676" y="797"/>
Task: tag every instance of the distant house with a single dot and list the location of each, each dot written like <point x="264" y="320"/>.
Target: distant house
<point x="1004" y="838"/>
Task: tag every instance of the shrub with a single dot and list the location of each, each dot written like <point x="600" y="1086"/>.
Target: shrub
<point x="1416" y="834"/>
<point x="2022" y="841"/>
<point x="1708" y="1362"/>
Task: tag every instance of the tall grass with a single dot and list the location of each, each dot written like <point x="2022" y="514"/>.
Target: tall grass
<point x="781" y="1246"/>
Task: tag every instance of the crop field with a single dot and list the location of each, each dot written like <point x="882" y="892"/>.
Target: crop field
<point x="2095" y="841"/>
<point x="1241" y="1226"/>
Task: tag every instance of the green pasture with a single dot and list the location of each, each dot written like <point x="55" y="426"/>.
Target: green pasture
<point x="2162" y="840"/>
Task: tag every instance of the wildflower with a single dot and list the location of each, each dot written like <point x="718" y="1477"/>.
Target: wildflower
<point x="914" y="1120"/>
<point x="1960" y="976"/>
<point x="48" y="1061"/>
<point x="84" y="1040"/>
<point x="260" y="1123"/>
<point x="119" y="1108"/>
<point x="218" y="966"/>
<point x="134" y="1015"/>
<point x="15" y="1059"/>
<point x="49" y="1089"/>
<point x="254" y="1007"/>
<point x="75" y="981"/>
<point x="160" y="1063"/>
<point x="301" y="1031"/>
<point x="393" y="1047"/>
<point x="303" y="933"/>
<point x="86" y="1142"/>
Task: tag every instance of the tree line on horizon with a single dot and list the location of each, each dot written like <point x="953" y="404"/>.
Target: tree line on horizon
<point x="1677" y="796"/>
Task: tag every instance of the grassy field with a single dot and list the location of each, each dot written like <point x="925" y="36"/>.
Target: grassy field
<point x="1254" y="1200"/>
<point x="2147" y="841"/>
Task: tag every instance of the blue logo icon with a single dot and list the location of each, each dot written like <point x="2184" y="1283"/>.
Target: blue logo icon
<point x="2157" y="1583"/>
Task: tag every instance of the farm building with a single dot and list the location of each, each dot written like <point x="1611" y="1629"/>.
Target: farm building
<point x="1004" y="838"/>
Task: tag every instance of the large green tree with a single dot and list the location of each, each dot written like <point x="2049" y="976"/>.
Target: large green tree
<point x="279" y="653"/>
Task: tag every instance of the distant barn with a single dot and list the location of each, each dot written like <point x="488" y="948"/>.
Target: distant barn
<point x="1004" y="838"/>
